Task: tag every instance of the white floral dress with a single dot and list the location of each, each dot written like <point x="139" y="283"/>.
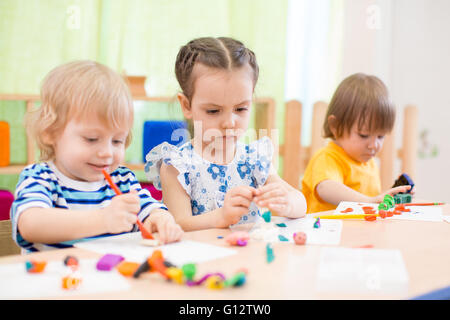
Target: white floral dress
<point x="207" y="183"/>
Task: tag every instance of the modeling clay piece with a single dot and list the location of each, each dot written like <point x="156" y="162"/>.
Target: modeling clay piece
<point x="282" y="238"/>
<point x="238" y="238"/>
<point x="388" y="199"/>
<point x="404" y="180"/>
<point x="402" y="208"/>
<point x="281" y="225"/>
<point x="204" y="278"/>
<point x="150" y="242"/>
<point x="300" y="238"/>
<point x="370" y="217"/>
<point x="402" y="198"/>
<point x="317" y="223"/>
<point x="144" y="267"/>
<point x="127" y="268"/>
<point x="369" y="210"/>
<point x="189" y="270"/>
<point x="71" y="261"/>
<point x="34" y="266"/>
<point x="71" y="282"/>
<point x="175" y="274"/>
<point x="214" y="282"/>
<point x="237" y="280"/>
<point x="269" y="253"/>
<point x="156" y="263"/>
<point x="108" y="261"/>
<point x="267" y="216"/>
<point x="382" y="213"/>
<point x="347" y="210"/>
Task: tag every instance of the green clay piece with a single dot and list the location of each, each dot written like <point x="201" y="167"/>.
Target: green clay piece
<point x="282" y="238"/>
<point x="236" y="281"/>
<point x="402" y="198"/>
<point x="281" y="225"/>
<point x="189" y="270"/>
<point x="269" y="252"/>
<point x="389" y="201"/>
<point x="266" y="216"/>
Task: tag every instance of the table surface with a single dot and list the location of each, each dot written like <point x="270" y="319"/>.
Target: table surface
<point x="425" y="248"/>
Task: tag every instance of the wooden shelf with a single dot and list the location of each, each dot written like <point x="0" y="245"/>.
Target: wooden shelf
<point x="12" y="169"/>
<point x="264" y="119"/>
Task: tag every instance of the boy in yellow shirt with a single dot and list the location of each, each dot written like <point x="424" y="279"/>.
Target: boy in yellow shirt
<point x="359" y="115"/>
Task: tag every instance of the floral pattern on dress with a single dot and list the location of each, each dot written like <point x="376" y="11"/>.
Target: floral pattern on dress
<point x="206" y="183"/>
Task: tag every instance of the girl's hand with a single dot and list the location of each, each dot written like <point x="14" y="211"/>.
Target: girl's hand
<point x="275" y="197"/>
<point x="392" y="192"/>
<point x="236" y="204"/>
<point x="162" y="221"/>
<point x="120" y="215"/>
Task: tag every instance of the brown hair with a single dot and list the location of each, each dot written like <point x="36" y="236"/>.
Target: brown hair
<point x="221" y="53"/>
<point x="75" y="90"/>
<point x="360" y="98"/>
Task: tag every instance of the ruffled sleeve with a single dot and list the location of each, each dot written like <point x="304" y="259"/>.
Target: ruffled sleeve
<point x="260" y="153"/>
<point x="171" y="155"/>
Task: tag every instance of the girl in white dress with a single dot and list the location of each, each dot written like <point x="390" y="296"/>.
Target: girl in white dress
<point x="214" y="180"/>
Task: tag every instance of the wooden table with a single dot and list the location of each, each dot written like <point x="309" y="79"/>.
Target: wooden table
<point x="425" y="248"/>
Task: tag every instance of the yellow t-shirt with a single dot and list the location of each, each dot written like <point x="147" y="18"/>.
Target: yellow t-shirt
<point x="332" y="163"/>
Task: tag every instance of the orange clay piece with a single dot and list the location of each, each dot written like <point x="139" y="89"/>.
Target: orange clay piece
<point x="370" y="217"/>
<point x="397" y="212"/>
<point x="382" y="213"/>
<point x="368" y="210"/>
<point x="38" y="266"/>
<point x="390" y="213"/>
<point x="402" y="208"/>
<point x="156" y="263"/>
<point x="70" y="282"/>
<point x="127" y="268"/>
<point x="347" y="210"/>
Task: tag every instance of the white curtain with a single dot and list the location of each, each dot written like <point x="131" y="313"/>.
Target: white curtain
<point x="313" y="54"/>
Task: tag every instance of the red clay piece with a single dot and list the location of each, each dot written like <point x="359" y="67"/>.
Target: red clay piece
<point x="382" y="213"/>
<point x="370" y="218"/>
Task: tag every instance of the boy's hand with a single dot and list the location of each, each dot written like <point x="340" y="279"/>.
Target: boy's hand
<point x="162" y="221"/>
<point x="275" y="197"/>
<point x="236" y="204"/>
<point x="120" y="215"/>
<point x="393" y="192"/>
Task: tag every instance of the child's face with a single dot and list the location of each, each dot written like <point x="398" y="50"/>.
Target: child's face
<point x="87" y="146"/>
<point x="361" y="145"/>
<point x="220" y="106"/>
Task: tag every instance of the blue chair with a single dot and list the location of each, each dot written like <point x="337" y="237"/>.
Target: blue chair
<point x="156" y="132"/>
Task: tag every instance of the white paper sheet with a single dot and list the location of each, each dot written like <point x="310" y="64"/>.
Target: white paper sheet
<point x="17" y="283"/>
<point x="329" y="232"/>
<point x="129" y="246"/>
<point x="418" y="213"/>
<point x="369" y="271"/>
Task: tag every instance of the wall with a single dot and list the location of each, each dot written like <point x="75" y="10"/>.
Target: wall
<point x="420" y="75"/>
<point x="406" y="43"/>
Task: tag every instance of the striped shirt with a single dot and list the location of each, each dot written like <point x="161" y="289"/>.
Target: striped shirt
<point x="43" y="185"/>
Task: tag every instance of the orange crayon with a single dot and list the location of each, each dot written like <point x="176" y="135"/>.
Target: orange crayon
<point x="145" y="234"/>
